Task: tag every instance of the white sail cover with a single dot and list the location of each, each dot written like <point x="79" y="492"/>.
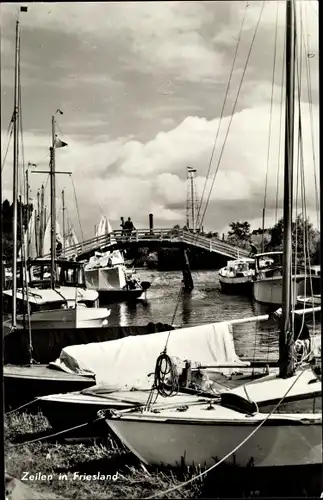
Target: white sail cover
<point x="104" y="227"/>
<point x="126" y="363"/>
<point x="29" y="240"/>
<point x="71" y="239"/>
<point x="47" y="237"/>
<point x="115" y="257"/>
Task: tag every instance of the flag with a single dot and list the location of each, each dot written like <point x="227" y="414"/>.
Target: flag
<point x="23" y="9"/>
<point x="60" y="144"/>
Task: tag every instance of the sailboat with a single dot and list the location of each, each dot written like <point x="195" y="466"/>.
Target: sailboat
<point x="51" y="293"/>
<point x="272" y="423"/>
<point x="107" y="273"/>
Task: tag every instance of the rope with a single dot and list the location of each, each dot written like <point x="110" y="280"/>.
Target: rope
<point x="20" y="407"/>
<point x="233" y="111"/>
<point x="222" y="111"/>
<point x="160" y="375"/>
<point x="185" y="483"/>
<point x="310" y="102"/>
<point x="54" y="434"/>
<point x="10" y="132"/>
<point x="166" y="381"/>
<point x="270" y="122"/>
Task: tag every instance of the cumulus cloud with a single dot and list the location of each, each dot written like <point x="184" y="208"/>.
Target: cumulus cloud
<point x="129" y="151"/>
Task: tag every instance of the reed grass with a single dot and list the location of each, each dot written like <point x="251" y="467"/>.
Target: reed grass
<point x="61" y="458"/>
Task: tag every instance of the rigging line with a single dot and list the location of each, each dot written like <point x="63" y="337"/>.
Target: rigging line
<point x="7" y="149"/>
<point x="279" y="160"/>
<point x="305" y="228"/>
<point x="310" y="102"/>
<point x="198" y="476"/>
<point x="270" y="121"/>
<point x="77" y="208"/>
<point x="222" y="111"/>
<point x="22" y="180"/>
<point x="233" y="111"/>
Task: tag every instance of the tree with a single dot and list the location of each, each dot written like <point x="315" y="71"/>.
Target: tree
<point x="239" y="234"/>
<point x="305" y="239"/>
<point x="7" y="214"/>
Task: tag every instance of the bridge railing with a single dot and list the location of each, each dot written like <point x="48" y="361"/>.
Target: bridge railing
<point x="102" y="243"/>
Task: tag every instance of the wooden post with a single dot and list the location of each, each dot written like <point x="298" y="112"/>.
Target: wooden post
<point x="187" y="276"/>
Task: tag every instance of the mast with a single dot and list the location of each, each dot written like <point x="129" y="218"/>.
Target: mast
<point x="63" y="209"/>
<point x="286" y="335"/>
<point x="53" y="205"/>
<point x="41" y="224"/>
<point x="38" y="225"/>
<point x="15" y="180"/>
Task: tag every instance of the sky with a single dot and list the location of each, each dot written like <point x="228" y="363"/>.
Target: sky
<point x="143" y="90"/>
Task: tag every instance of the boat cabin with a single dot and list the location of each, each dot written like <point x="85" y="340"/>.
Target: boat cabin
<point x="269" y="264"/>
<point x="240" y="267"/>
<point x="68" y="273"/>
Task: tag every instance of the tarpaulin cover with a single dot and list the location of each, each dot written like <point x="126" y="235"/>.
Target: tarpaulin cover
<point x="47" y="344"/>
<point x="127" y="363"/>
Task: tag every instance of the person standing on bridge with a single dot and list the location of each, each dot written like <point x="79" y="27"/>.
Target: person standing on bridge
<point x="129" y="227"/>
<point x="122" y="225"/>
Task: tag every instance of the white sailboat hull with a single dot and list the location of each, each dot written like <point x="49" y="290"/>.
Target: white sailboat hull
<point x="79" y="317"/>
<point x="202" y="443"/>
<point x="269" y="290"/>
<point x="233" y="431"/>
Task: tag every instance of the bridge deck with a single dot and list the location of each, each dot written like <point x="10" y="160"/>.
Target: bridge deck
<point x="145" y="236"/>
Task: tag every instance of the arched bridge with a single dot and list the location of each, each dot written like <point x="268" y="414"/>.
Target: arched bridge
<point x="153" y="238"/>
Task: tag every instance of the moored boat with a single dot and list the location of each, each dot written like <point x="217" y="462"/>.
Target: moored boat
<point x="268" y="280"/>
<point x="201" y="435"/>
<point x="237" y="276"/>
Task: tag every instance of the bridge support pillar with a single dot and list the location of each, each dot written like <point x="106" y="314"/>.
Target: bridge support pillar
<point x="187" y="276"/>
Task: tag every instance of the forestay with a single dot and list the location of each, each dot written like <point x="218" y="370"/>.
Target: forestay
<point x="127" y="363"/>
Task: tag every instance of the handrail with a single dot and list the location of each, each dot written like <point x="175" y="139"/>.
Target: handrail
<point x="107" y="241"/>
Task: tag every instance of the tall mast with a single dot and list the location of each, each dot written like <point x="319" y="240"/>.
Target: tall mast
<point x="38" y="222"/>
<point x="15" y="180"/>
<point x="53" y="205"/>
<point x="286" y="335"/>
<point x="63" y="209"/>
<point x="41" y="225"/>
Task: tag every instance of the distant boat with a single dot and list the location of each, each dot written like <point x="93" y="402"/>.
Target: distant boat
<point x="237" y="276"/>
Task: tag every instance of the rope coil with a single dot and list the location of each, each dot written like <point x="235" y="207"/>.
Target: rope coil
<point x="166" y="381"/>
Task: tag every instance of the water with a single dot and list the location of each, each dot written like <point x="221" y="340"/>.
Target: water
<point x="206" y="304"/>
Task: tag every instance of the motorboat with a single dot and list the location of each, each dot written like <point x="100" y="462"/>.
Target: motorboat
<point x="237" y="276"/>
<point x="107" y="273"/>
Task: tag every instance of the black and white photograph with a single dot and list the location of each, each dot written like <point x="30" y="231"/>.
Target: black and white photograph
<point x="161" y="253"/>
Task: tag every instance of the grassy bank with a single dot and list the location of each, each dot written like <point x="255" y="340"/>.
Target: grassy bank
<point x="65" y="465"/>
